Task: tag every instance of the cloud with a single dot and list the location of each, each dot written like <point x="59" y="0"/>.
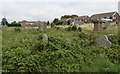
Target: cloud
<point x="60" y="0"/>
<point x="47" y="11"/>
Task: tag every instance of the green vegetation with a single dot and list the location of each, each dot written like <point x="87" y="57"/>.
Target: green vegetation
<point x="74" y="28"/>
<point x="14" y="24"/>
<point x="56" y="21"/>
<point x="4" y="21"/>
<point x="0" y="50"/>
<point x="69" y="16"/>
<point x="73" y="51"/>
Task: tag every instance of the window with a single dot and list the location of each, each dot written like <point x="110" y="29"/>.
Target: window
<point x="108" y="17"/>
<point x="114" y="17"/>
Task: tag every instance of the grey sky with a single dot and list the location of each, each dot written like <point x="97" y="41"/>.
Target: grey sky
<point x="47" y="10"/>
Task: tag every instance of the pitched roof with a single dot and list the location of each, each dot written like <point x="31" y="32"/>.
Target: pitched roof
<point x="65" y="19"/>
<point x="80" y="17"/>
<point x="24" y="21"/>
<point x="103" y="15"/>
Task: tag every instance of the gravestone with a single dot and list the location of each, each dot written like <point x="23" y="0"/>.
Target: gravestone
<point x="44" y="27"/>
<point x="103" y="41"/>
<point x="45" y="37"/>
<point x="97" y="26"/>
<point x="39" y="26"/>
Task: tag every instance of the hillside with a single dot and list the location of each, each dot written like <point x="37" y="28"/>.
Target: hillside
<point x="66" y="51"/>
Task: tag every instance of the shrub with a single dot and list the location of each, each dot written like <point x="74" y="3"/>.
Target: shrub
<point x="69" y="28"/>
<point x="17" y="29"/>
<point x="57" y="28"/>
<point x="74" y="28"/>
<point x="83" y="36"/>
<point x="52" y="25"/>
<point x="80" y="29"/>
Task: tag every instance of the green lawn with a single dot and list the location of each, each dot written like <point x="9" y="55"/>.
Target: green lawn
<point x="66" y="51"/>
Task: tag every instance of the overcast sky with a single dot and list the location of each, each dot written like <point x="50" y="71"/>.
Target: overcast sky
<point x="47" y="10"/>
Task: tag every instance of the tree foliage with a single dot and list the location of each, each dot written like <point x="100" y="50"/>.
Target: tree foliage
<point x="4" y="21"/>
<point x="69" y="16"/>
<point x="55" y="20"/>
<point x="14" y="24"/>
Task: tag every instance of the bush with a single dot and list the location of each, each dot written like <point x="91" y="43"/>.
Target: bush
<point x="80" y="29"/>
<point x="52" y="25"/>
<point x="69" y="28"/>
<point x="74" y="28"/>
<point x="17" y="29"/>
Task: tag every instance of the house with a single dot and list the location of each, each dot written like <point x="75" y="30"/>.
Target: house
<point x="114" y="16"/>
<point x="64" y="21"/>
<point x="80" y="20"/>
<point x="25" y="23"/>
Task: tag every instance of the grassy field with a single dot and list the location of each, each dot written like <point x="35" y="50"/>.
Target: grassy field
<point x="0" y="50"/>
<point x="65" y="51"/>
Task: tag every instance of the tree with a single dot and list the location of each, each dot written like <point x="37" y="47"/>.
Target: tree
<point x="68" y="22"/>
<point x="14" y="24"/>
<point x="4" y="21"/>
<point x="65" y="16"/>
<point x="55" y="21"/>
<point x="69" y="16"/>
<point x="72" y="16"/>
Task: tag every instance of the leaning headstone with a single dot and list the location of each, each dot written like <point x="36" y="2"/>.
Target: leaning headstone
<point x="103" y="41"/>
<point x="45" y="37"/>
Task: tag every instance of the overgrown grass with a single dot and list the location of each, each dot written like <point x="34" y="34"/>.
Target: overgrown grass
<point x="65" y="51"/>
<point x="0" y="50"/>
